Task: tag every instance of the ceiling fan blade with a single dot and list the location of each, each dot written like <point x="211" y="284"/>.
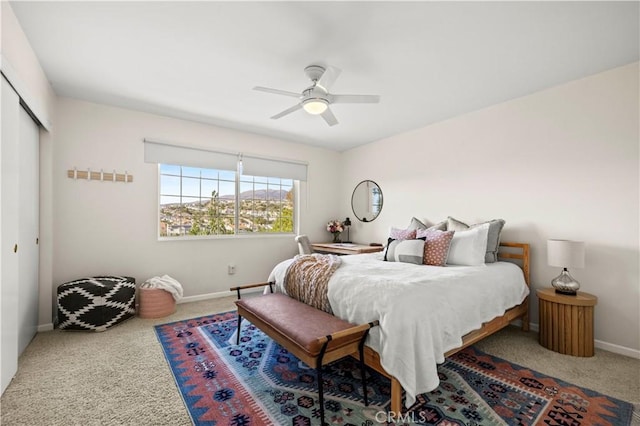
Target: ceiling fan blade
<point x="329" y="117"/>
<point x="329" y="76"/>
<point x="287" y="111"/>
<point x="277" y="91"/>
<point x="355" y="99"/>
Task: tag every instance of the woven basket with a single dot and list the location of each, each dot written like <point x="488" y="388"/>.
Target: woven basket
<point x="155" y="303"/>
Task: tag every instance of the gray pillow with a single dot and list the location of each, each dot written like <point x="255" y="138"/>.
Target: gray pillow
<point x="456" y="225"/>
<point x="440" y="226"/>
<point x="493" y="238"/>
<point x="417" y="224"/>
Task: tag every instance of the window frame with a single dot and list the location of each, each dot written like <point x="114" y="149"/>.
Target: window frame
<point x="295" y="187"/>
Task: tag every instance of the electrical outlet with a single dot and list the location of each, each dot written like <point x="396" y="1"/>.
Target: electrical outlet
<point x="231" y="269"/>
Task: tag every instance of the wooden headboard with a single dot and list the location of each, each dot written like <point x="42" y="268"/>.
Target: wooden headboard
<point x="518" y="251"/>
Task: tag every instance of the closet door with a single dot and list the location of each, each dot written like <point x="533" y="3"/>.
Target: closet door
<point x="9" y="117"/>
<point x="28" y="227"/>
<point x="19" y="224"/>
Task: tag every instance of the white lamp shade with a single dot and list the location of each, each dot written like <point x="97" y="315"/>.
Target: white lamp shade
<point x="565" y="253"/>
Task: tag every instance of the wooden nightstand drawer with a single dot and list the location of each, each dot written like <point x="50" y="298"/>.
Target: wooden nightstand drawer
<point x="566" y="322"/>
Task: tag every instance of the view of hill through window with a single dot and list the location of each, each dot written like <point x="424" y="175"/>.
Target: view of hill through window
<point x="197" y="201"/>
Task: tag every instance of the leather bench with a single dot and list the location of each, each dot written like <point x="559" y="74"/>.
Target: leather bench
<point x="316" y="337"/>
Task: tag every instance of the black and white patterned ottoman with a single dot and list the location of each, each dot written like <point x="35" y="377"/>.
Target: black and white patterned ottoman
<point x="96" y="303"/>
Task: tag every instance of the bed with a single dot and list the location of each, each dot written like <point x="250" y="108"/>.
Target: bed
<point x="426" y="313"/>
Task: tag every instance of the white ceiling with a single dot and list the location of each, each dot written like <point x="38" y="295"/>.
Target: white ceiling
<point x="428" y="61"/>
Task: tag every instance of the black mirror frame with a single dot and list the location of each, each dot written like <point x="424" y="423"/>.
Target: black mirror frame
<point x="364" y="219"/>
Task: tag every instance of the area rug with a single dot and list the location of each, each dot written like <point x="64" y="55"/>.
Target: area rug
<point x="260" y="383"/>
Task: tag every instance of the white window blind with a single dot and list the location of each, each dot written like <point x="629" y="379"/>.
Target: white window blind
<point x="165" y="153"/>
<point x="256" y="166"/>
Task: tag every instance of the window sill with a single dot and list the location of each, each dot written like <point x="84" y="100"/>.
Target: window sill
<point x="229" y="237"/>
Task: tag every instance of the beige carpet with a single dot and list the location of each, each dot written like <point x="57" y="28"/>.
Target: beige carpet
<point x="120" y="377"/>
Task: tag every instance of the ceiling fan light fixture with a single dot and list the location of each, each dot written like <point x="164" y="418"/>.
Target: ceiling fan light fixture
<point x="315" y="106"/>
<point x="315" y="99"/>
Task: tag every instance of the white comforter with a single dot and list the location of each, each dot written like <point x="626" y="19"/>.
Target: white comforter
<point x="423" y="310"/>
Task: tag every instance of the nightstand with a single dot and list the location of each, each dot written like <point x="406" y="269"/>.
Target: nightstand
<point x="345" y="248"/>
<point x="566" y="322"/>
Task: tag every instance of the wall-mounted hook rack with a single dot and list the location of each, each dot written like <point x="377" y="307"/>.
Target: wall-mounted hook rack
<point x="100" y="176"/>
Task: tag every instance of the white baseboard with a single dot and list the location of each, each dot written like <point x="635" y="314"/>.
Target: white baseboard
<point x="207" y="296"/>
<point x="616" y="349"/>
<point x="217" y="295"/>
<point x="45" y="327"/>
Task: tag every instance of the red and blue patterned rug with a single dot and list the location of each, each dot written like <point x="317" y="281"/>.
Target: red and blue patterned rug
<point x="260" y="383"/>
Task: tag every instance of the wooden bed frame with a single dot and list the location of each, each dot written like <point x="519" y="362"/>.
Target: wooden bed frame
<point x="509" y="251"/>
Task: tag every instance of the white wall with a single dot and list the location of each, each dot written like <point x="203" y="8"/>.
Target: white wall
<point x="18" y="55"/>
<point x="111" y="228"/>
<point x="561" y="163"/>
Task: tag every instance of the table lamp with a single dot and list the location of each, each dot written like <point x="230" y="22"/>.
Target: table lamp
<point x="347" y="225"/>
<point x="565" y="254"/>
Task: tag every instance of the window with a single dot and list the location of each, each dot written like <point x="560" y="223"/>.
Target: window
<point x="206" y="192"/>
<point x="266" y="205"/>
<point x="203" y="201"/>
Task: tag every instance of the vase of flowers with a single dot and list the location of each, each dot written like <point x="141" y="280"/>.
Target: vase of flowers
<point x="335" y="227"/>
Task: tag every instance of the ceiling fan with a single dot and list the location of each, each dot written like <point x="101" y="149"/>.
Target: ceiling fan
<point x="316" y="98"/>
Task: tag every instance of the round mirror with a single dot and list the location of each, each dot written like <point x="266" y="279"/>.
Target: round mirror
<point x="366" y="201"/>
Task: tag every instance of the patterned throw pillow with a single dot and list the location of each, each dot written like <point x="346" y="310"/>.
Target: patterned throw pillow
<point x="391" y="246"/>
<point x="408" y="251"/>
<point x="397" y="234"/>
<point x="402" y="234"/>
<point x="493" y="238"/>
<point x="436" y="246"/>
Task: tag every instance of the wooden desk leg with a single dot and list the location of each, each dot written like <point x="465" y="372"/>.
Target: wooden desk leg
<point x="396" y="396"/>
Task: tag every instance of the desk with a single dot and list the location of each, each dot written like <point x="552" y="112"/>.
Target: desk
<point x="345" y="248"/>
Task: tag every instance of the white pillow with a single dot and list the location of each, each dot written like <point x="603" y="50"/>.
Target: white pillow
<point x="469" y="247"/>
